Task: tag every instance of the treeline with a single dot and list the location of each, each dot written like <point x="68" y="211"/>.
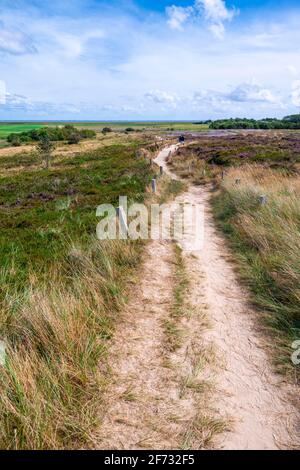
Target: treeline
<point x="67" y="133"/>
<point x="288" y="122"/>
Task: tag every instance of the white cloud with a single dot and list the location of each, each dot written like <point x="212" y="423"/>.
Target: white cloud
<point x="252" y="92"/>
<point x="296" y="93"/>
<point x="74" y="46"/>
<point x="178" y="16"/>
<point x="218" y="29"/>
<point x="162" y="97"/>
<point x="236" y="99"/>
<point x="20" y="103"/>
<point x="15" y="42"/>
<point x="214" y="12"/>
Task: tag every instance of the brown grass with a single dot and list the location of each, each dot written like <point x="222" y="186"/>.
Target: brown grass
<point x="56" y="362"/>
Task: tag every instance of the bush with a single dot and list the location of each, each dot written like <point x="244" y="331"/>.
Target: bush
<point x="105" y="130"/>
<point x="15" y="140"/>
<point x="74" y="139"/>
<point x="54" y="134"/>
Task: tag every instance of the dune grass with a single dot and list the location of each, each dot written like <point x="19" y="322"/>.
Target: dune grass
<point x="60" y="292"/>
<point x="266" y="241"/>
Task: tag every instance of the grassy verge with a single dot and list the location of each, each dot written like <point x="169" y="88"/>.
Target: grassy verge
<point x="60" y="292"/>
<point x="179" y="305"/>
<point x="266" y="241"/>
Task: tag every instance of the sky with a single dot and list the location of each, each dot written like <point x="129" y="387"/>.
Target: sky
<point x="149" y="60"/>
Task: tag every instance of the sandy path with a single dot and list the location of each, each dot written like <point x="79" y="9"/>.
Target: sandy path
<point x="248" y="390"/>
<point x="147" y="406"/>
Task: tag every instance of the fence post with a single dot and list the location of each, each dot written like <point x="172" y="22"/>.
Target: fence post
<point x="263" y="200"/>
<point x="161" y="169"/>
<point x="122" y="222"/>
<point x="2" y="353"/>
<point x="154" y="185"/>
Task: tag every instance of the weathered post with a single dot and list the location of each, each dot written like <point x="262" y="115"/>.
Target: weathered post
<point x="161" y="170"/>
<point x="154" y="185"/>
<point x="122" y="222"/>
<point x="223" y="174"/>
<point x="2" y="353"/>
<point x="263" y="200"/>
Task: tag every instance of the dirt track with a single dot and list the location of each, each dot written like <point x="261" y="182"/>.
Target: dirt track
<point x="248" y="393"/>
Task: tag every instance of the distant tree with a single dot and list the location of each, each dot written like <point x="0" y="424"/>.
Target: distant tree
<point x="293" y="118"/>
<point x="45" y="148"/>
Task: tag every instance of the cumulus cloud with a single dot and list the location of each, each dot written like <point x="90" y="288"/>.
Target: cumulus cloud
<point x="296" y="93"/>
<point x="20" y="103"/>
<point x="177" y="16"/>
<point x="252" y="92"/>
<point x="162" y="97"/>
<point x="15" y="42"/>
<point x="214" y="12"/>
<point x="244" y="93"/>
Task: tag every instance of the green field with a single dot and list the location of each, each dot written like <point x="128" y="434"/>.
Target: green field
<point x="16" y="127"/>
<point x="6" y="129"/>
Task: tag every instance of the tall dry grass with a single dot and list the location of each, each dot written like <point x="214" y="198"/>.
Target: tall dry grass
<point x="267" y="239"/>
<point x="56" y="338"/>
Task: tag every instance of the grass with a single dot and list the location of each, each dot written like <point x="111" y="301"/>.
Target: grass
<point x="179" y="306"/>
<point x="60" y="291"/>
<point x="267" y="244"/>
<point x="265" y="239"/>
<point x="6" y="129"/>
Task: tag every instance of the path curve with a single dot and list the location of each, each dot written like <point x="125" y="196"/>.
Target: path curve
<point x="248" y="390"/>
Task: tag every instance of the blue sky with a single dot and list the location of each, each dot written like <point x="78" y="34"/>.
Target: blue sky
<point x="138" y="59"/>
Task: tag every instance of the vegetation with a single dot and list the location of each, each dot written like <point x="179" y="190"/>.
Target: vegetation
<point x="289" y="122"/>
<point x="45" y="148"/>
<point x="54" y="134"/>
<point x="202" y="160"/>
<point x="60" y="290"/>
<point x="264" y="238"/>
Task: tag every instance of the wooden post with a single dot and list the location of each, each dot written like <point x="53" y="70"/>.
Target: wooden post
<point x="2" y="353"/>
<point x="161" y="170"/>
<point x="154" y="185"/>
<point x="263" y="200"/>
<point x="223" y="174"/>
<point x="122" y="222"/>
